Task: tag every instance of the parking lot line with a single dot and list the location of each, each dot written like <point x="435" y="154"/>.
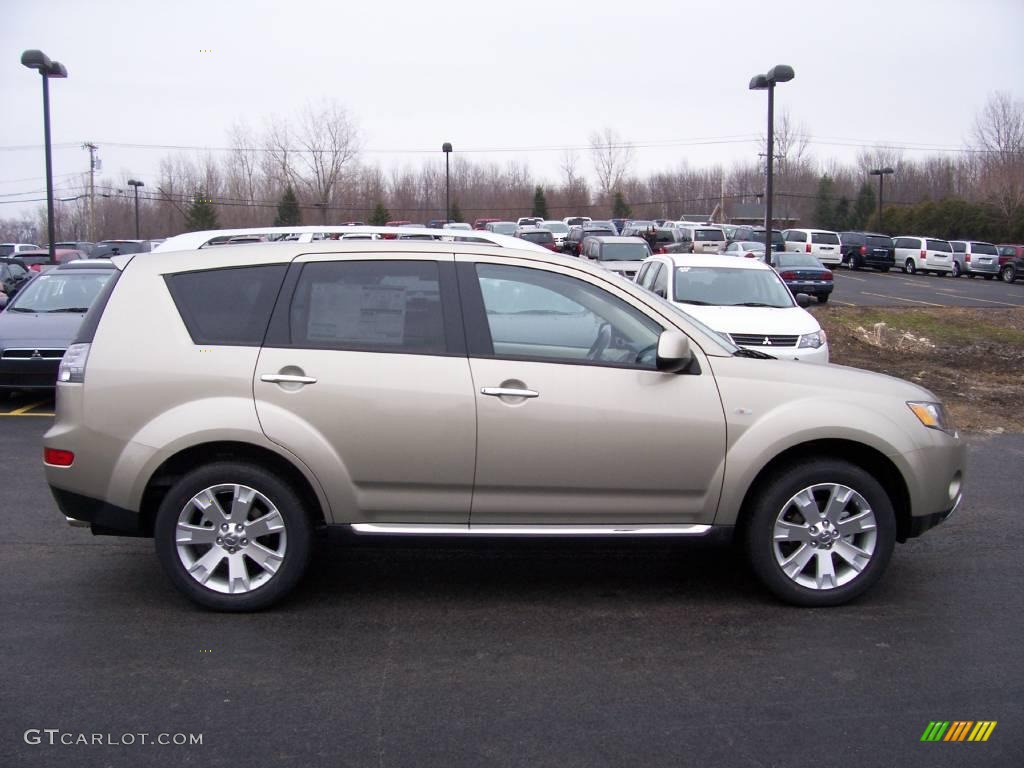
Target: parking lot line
<point x="23" y="411"/>
<point x="858" y="279"/>
<point x="992" y="301"/>
<point x="900" y="298"/>
<point x="844" y="303"/>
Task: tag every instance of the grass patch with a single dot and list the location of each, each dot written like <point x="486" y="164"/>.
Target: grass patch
<point x="949" y="325"/>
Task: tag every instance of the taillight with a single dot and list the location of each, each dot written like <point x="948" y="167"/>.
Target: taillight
<point x="579" y="247"/>
<point x="58" y="458"/>
<point x="750" y="255"/>
<point x="661" y="250"/>
<point x="828" y="276"/>
<point x="863" y="250"/>
<point x="808" y="248"/>
<point x="967" y="258"/>
<point x="923" y="254"/>
<point x="788" y="275"/>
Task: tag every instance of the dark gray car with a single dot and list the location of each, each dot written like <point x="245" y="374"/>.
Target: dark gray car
<point x="39" y="323"/>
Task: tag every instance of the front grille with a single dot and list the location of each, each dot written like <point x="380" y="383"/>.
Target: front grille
<point x="763" y="340"/>
<point x="32" y="354"/>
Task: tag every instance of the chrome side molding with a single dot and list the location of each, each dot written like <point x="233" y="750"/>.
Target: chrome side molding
<point x="432" y="529"/>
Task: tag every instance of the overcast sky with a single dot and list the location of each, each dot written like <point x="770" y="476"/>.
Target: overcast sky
<point x="522" y="76"/>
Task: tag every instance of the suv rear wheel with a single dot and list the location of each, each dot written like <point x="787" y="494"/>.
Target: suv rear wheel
<point x="1009" y="273"/>
<point x="909" y="267"/>
<point x="821" y="533"/>
<point x="232" y="537"/>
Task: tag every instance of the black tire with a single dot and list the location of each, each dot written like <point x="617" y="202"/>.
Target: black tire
<point x="1009" y="273"/>
<point x="956" y="269"/>
<point x="298" y="530"/>
<point x="771" y="502"/>
<point x="822" y="298"/>
<point x="910" y="267"/>
<point x="854" y="265"/>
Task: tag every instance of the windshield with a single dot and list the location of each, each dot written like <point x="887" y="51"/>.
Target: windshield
<point x="750" y="245"/>
<point x="638" y="224"/>
<point x="709" y="234"/>
<point x="791" y="259"/>
<point x="731" y="287"/>
<point x="624" y="252"/>
<point x="538" y="237"/>
<point x="758" y="235"/>
<point x="986" y="248"/>
<point x="556" y="226"/>
<point x="67" y="292"/>
<point x="939" y="245"/>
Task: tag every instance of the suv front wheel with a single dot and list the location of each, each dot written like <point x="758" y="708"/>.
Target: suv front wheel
<point x="820" y="533"/>
<point x="232" y="537"/>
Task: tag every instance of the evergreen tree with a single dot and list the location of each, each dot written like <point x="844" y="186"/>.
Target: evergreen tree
<point x="620" y="208"/>
<point x="823" y="209"/>
<point x="864" y="207"/>
<point x="456" y="212"/>
<point x="288" y="213"/>
<point x="201" y="214"/>
<point x="540" y="203"/>
<point x="380" y="215"/>
<point x="841" y="215"/>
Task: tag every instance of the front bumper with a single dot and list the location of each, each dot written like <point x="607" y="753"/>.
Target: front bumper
<point x="918" y="525"/>
<point x="28" y="374"/>
<point x="799" y="354"/>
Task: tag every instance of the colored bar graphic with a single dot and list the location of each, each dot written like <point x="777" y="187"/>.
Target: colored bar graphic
<point x="958" y="730"/>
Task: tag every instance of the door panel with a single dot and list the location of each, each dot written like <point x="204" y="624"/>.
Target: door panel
<point x="596" y="445"/>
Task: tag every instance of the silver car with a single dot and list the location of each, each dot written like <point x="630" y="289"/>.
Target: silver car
<point x="231" y="403"/>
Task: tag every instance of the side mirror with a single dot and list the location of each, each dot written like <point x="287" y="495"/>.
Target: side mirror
<point x="674" y="353"/>
<point x="803" y="300"/>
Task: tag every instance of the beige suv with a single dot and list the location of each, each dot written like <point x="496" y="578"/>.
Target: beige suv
<point x="232" y="402"/>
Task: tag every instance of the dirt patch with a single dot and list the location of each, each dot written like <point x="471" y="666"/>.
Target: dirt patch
<point x="972" y="359"/>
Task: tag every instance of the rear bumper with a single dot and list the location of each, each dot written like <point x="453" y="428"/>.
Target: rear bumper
<point x="813" y="289"/>
<point x="983" y="269"/>
<point x="103" y="518"/>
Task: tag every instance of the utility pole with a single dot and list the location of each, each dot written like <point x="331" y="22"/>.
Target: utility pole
<point x="92" y="188"/>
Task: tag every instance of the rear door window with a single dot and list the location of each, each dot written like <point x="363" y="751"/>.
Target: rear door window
<point x="227" y="306"/>
<point x="825" y="238"/>
<point x="371" y="306"/>
<point x="939" y="245"/>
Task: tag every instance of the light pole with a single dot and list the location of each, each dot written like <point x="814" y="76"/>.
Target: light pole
<point x="881" y="173"/>
<point x="40" y="62"/>
<point x="136" y="183"/>
<point x="447" y="149"/>
<point x="780" y="73"/>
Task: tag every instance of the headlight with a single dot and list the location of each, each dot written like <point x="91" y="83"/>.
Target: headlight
<point x="812" y="340"/>
<point x="933" y="416"/>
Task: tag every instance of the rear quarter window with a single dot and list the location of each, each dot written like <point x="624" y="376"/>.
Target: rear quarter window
<point x="939" y="245"/>
<point x="228" y="307"/>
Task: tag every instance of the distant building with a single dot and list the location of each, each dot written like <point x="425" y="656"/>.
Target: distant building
<point x="753" y="214"/>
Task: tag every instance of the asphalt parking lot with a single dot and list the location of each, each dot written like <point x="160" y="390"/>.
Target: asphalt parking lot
<point x="513" y="653"/>
<point x="865" y="288"/>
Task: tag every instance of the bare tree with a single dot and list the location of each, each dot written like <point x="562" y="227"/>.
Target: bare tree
<point x="329" y="141"/>
<point x="999" y="137"/>
<point x="613" y="158"/>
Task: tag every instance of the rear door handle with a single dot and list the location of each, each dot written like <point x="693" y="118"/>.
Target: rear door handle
<point x="508" y="392"/>
<point x="285" y="378"/>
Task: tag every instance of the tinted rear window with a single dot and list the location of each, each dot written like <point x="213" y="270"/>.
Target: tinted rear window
<point x="958" y="247"/>
<point x="714" y="235"/>
<point x="852" y="238"/>
<point x="879" y="242"/>
<point x="986" y="248"/>
<point x="825" y="238"/>
<point x="939" y="245"/>
<point x="624" y="252"/>
<point x="538" y="237"/>
<point x="227" y="306"/>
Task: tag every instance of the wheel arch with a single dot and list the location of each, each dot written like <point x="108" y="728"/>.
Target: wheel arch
<point x="870" y="459"/>
<point x="193" y="456"/>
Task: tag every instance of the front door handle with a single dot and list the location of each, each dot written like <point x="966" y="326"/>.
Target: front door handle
<point x="508" y="392"/>
<point x="285" y="378"/>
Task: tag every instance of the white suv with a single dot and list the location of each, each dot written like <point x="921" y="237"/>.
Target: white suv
<point x="744" y="300"/>
<point x="821" y="243"/>
<point x="924" y="255"/>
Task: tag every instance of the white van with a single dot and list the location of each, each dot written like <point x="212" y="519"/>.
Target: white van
<point x="821" y="243"/>
<point x="924" y="255"/>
